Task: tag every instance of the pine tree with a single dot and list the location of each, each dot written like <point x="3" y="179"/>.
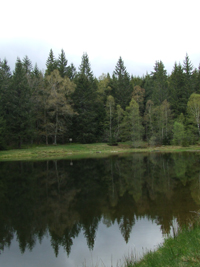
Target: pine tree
<point x="196" y="79"/>
<point x="121" y="84"/>
<point x="71" y="72"/>
<point x="51" y="63"/>
<point x="176" y="88"/>
<point x="27" y="64"/>
<point x="20" y="117"/>
<point x="188" y="81"/>
<point x="62" y="64"/>
<point x="88" y="124"/>
<point x="160" y="86"/>
<point x="5" y="95"/>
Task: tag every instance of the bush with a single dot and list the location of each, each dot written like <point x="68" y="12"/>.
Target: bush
<point x="154" y="141"/>
<point x="139" y="144"/>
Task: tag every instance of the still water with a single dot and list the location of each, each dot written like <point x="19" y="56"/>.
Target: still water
<point x="93" y="211"/>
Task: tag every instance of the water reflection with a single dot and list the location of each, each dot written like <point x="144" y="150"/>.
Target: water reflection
<point x="59" y="201"/>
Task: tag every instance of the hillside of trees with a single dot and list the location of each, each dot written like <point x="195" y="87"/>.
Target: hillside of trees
<point x="64" y="103"/>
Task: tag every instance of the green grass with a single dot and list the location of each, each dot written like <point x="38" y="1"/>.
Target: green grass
<point x="179" y="251"/>
<point x="82" y="150"/>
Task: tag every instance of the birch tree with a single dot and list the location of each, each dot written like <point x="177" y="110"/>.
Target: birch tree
<point x="132" y="125"/>
<point x="193" y="109"/>
<point x="58" y="102"/>
<point x="110" y="111"/>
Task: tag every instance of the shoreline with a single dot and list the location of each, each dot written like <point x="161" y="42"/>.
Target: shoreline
<point x="78" y="151"/>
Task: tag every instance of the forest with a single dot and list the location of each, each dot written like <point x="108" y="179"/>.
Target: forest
<point x="63" y="104"/>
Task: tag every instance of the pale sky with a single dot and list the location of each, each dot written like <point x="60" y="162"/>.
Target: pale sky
<point x="140" y="31"/>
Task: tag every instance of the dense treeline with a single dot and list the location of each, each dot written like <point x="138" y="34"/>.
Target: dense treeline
<point x="64" y="103"/>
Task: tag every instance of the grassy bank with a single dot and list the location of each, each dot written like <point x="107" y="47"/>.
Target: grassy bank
<point x="82" y="150"/>
<point x="179" y="251"/>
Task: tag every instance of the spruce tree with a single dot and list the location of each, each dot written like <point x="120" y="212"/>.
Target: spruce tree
<point x="160" y="86"/>
<point x="176" y="87"/>
<point x="5" y="95"/>
<point x="71" y="71"/>
<point x="27" y="64"/>
<point x="188" y="81"/>
<point x="62" y="64"/>
<point x="121" y="84"/>
<point x="88" y="124"/>
<point x="51" y="63"/>
<point x="20" y="117"/>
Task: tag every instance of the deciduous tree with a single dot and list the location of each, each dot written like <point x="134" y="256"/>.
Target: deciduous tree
<point x="132" y="125"/>
<point x="193" y="109"/>
<point x="59" y="106"/>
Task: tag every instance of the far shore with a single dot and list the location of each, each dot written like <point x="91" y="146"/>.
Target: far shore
<point x="72" y="151"/>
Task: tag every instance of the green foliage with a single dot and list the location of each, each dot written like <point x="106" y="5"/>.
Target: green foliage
<point x="88" y="123"/>
<point x="180" y="250"/>
<point x="51" y="63"/>
<point x="178" y="133"/>
<point x="161" y="99"/>
<point x="62" y="64"/>
<point x="160" y="85"/>
<point x="121" y="84"/>
<point x="20" y="117"/>
<point x="193" y="110"/>
<point x="132" y="128"/>
<point x="176" y="87"/>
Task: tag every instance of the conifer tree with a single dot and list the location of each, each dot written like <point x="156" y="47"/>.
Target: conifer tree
<point x="5" y="96"/>
<point x="188" y="81"/>
<point x="71" y="72"/>
<point x="88" y="124"/>
<point x="121" y="84"/>
<point x="160" y="86"/>
<point x="62" y="64"/>
<point x="51" y="63"/>
<point x="27" y="64"/>
<point x="176" y="87"/>
<point x="20" y="117"/>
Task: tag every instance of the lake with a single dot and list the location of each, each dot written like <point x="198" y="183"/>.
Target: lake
<point x="94" y="212"/>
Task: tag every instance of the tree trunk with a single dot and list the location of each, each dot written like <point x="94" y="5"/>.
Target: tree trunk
<point x="56" y="129"/>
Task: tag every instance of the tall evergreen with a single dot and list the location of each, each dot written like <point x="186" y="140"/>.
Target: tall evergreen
<point x="71" y="71"/>
<point x="27" y="64"/>
<point x="51" y="63"/>
<point x="88" y="123"/>
<point x="5" y="80"/>
<point x="176" y="87"/>
<point x="196" y="79"/>
<point x="160" y="86"/>
<point x="20" y="117"/>
<point x="62" y="64"/>
<point x="121" y="84"/>
<point x="188" y="81"/>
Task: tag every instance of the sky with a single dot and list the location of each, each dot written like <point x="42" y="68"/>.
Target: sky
<point x="140" y="31"/>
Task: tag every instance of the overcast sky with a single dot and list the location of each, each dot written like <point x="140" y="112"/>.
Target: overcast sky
<point x="140" y="31"/>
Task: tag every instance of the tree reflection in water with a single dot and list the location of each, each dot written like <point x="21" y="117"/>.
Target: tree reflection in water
<point x="60" y="199"/>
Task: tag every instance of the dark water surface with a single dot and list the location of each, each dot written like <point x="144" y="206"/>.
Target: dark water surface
<point x="89" y="211"/>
